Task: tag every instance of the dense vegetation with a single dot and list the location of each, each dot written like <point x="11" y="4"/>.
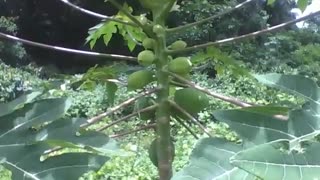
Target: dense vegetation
<point x="54" y="105"/>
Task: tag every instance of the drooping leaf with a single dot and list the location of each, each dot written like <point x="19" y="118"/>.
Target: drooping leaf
<point x="8" y="108"/>
<point x="210" y="160"/>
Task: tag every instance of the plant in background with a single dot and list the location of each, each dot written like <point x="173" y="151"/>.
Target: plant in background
<point x="12" y="53"/>
<point x="273" y="139"/>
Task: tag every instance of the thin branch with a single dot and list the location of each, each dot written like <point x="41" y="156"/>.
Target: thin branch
<point x="116" y="108"/>
<point x="97" y="15"/>
<point x="231" y="100"/>
<point x="183" y="27"/>
<point x="57" y="48"/>
<point x="150" y="126"/>
<point x="127" y="117"/>
<point x="187" y="128"/>
<point x="246" y="36"/>
<point x="175" y="105"/>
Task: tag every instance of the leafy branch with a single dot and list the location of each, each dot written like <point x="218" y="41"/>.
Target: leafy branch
<point x="63" y="49"/>
<point x="243" y="37"/>
<point x="183" y="27"/>
<point x="97" y="15"/>
<point x="116" y="108"/>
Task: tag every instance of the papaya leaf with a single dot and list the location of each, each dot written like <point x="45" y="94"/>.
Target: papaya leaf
<point x="275" y="160"/>
<point x="132" y="35"/>
<point x="26" y="133"/>
<point x="285" y="148"/>
<point x="210" y="160"/>
<point x="105" y="30"/>
<point x="17" y="103"/>
<point x="24" y="163"/>
<point x="294" y="84"/>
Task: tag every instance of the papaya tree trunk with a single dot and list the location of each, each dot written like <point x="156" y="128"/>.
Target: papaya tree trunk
<point x="164" y="145"/>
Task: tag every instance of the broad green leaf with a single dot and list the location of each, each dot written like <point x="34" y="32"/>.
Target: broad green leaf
<point x="10" y="107"/>
<point x="210" y="160"/>
<point x="254" y="128"/>
<point x="276" y="160"/>
<point x="21" y="146"/>
<point x="16" y="126"/>
<point x="302" y="4"/>
<point x="27" y="165"/>
<point x="279" y="149"/>
<point x="295" y="84"/>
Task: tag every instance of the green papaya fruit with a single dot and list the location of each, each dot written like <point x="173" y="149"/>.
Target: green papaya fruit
<point x="146" y="57"/>
<point x="180" y="65"/>
<point x="139" y="79"/>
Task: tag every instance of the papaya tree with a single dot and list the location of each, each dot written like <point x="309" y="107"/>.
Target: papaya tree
<point x="165" y="93"/>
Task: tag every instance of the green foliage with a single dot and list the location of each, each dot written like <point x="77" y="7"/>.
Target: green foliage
<point x="15" y="81"/>
<point x="132" y="35"/>
<point x="279" y="141"/>
<point x="247" y="20"/>
<point x="35" y="126"/>
<point x="10" y="52"/>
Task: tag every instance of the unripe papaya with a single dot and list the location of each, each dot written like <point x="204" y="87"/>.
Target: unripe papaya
<point x="178" y="45"/>
<point x="148" y="43"/>
<point x="191" y="100"/>
<point x="180" y="65"/>
<point x="146" y="57"/>
<point x="139" y="79"/>
<point x="143" y="20"/>
<point x="158" y="29"/>
<point x="142" y="103"/>
<point x="153" y="152"/>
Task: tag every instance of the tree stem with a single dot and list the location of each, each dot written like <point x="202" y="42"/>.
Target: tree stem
<point x="165" y="148"/>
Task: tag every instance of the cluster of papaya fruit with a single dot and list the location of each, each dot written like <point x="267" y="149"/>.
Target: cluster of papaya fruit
<point x="190" y="99"/>
<point x="180" y="65"/>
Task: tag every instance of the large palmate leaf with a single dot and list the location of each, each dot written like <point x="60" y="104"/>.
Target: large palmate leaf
<point x="272" y="148"/>
<point x="276" y="160"/>
<point x="210" y="160"/>
<point x="22" y="142"/>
